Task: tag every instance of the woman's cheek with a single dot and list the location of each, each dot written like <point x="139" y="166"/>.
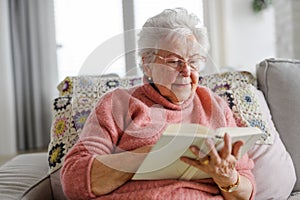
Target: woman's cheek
<point x="165" y="76"/>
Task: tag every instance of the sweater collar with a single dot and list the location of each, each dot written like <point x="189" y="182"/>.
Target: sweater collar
<point x="157" y="98"/>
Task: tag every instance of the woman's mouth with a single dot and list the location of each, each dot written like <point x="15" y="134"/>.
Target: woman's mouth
<point x="181" y="84"/>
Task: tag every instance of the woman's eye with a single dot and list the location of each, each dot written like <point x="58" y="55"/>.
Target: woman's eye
<point x="194" y="61"/>
<point x="195" y="68"/>
<point x="173" y="62"/>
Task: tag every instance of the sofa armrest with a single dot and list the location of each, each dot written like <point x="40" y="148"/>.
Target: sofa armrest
<point x="21" y="173"/>
<point x="40" y="190"/>
<point x="279" y="80"/>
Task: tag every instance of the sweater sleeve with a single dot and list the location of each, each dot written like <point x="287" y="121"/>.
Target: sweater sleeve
<point x="98" y="137"/>
<point x="244" y="167"/>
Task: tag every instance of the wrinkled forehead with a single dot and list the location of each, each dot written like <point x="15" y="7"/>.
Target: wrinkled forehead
<point x="182" y="44"/>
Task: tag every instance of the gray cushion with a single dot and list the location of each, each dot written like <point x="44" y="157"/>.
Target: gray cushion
<point x="20" y="173"/>
<point x="56" y="186"/>
<point x="40" y="190"/>
<point x="294" y="196"/>
<point x="279" y="80"/>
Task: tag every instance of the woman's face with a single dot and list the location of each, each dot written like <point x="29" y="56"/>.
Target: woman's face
<point x="175" y="84"/>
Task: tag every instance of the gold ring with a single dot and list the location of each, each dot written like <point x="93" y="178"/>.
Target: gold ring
<point x="205" y="162"/>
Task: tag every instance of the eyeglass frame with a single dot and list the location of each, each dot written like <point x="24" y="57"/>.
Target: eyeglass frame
<point x="184" y="62"/>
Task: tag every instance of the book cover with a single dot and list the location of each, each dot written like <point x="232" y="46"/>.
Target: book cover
<point x="163" y="161"/>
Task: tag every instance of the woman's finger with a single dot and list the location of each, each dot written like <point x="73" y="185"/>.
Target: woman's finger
<point x="227" y="148"/>
<point x="202" y="158"/>
<point x="213" y="153"/>
<point x="236" y="149"/>
<point x="197" y="152"/>
<point x="194" y="162"/>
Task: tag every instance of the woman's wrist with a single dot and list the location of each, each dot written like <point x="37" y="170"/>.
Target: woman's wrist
<point x="232" y="187"/>
<point x="225" y="181"/>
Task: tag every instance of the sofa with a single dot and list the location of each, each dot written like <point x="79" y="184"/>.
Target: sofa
<point x="36" y="175"/>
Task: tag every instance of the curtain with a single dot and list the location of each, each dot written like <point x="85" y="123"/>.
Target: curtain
<point x="34" y="70"/>
<point x="7" y="120"/>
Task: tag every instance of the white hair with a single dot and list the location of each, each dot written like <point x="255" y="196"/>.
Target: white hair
<point x="164" y="26"/>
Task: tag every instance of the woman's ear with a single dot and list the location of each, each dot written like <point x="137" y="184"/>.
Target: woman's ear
<point x="147" y="70"/>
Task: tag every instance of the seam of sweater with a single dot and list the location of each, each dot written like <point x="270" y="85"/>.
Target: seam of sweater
<point x="88" y="180"/>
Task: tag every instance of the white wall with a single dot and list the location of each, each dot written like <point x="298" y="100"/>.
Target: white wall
<point x="245" y="38"/>
<point x="288" y="26"/>
<point x="7" y="118"/>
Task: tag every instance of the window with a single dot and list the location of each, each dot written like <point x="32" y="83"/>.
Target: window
<point x="82" y="26"/>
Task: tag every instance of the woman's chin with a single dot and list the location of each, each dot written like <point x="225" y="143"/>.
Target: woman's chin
<point x="180" y="98"/>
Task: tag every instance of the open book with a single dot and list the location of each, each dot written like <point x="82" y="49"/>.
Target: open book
<point x="163" y="160"/>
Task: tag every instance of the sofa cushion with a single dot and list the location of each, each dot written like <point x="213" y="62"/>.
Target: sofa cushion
<point x="20" y="173"/>
<point x="280" y="83"/>
<point x="294" y="196"/>
<point x="56" y="186"/>
<point x="40" y="190"/>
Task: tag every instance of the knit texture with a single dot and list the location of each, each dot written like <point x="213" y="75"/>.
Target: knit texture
<point x="126" y="119"/>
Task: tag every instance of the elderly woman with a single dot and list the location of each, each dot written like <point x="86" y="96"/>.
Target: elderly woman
<point x="125" y="123"/>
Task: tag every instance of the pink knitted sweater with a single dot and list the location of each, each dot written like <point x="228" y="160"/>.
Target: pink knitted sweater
<point x="128" y="119"/>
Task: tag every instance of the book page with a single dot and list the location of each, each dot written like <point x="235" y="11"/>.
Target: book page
<point x="238" y="131"/>
<point x="163" y="160"/>
<point x="187" y="129"/>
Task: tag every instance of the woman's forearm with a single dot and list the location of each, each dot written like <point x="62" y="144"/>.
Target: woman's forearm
<point x="109" y="172"/>
<point x="105" y="179"/>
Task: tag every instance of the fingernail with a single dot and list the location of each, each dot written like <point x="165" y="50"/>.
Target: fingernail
<point x="193" y="149"/>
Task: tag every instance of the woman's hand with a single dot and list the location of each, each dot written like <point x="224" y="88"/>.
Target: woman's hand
<point x="221" y="166"/>
<point x="110" y="171"/>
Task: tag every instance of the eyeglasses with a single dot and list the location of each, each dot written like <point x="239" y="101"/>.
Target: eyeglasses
<point x="175" y="62"/>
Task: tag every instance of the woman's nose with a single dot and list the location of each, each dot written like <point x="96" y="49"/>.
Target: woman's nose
<point x="185" y="70"/>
